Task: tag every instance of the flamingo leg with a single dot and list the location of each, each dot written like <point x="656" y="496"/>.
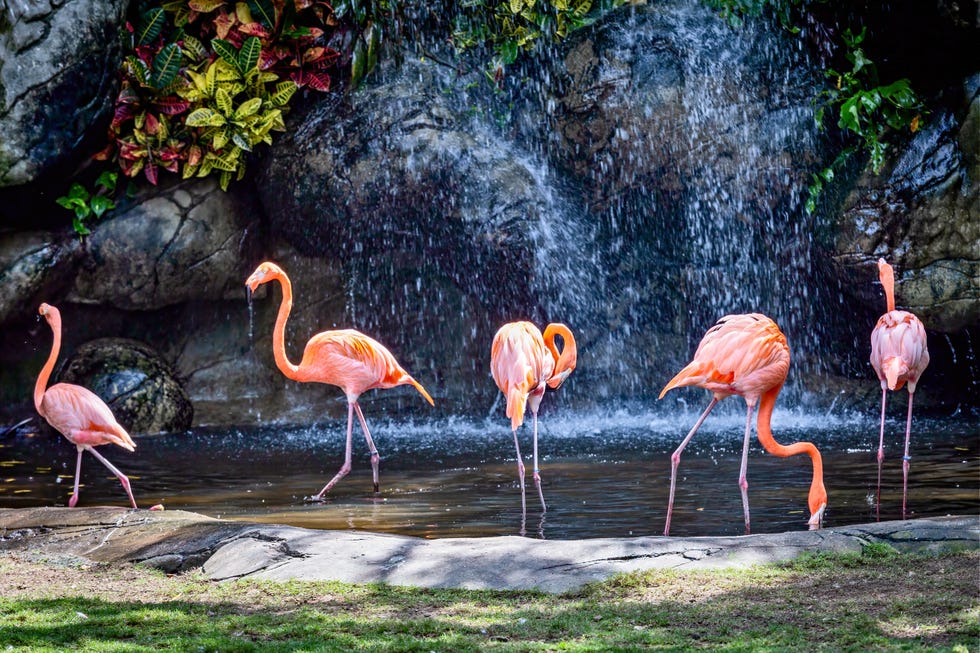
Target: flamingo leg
<point x="78" y="472"/>
<point x="537" y="472"/>
<point x="675" y="459"/>
<point x="345" y="468"/>
<point x="375" y="456"/>
<point x="520" y="476"/>
<point x="906" y="459"/>
<point x="881" y="450"/>
<point x="743" y="482"/>
<point x="122" y="477"/>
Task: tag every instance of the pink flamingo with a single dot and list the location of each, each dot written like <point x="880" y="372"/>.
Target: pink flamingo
<point x="523" y="362"/>
<point x="78" y="413"/>
<point x="899" y="355"/>
<point x="345" y="358"/>
<point x="745" y="355"/>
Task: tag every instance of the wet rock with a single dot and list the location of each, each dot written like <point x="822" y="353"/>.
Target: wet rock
<point x="186" y="242"/>
<point x="58" y="63"/>
<point x="921" y="213"/>
<point x="34" y="266"/>
<point x="136" y="383"/>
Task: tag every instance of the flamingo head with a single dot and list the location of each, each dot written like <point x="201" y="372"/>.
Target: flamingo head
<point x="49" y="313"/>
<point x="818" y="504"/>
<point x="266" y="272"/>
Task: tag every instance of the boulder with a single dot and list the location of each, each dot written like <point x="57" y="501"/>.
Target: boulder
<point x="58" y="73"/>
<point x="137" y="384"/>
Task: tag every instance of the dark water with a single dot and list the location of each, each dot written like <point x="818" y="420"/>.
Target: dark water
<point x="604" y="476"/>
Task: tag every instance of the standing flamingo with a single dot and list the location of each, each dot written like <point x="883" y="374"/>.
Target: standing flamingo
<point x="745" y="355"/>
<point x="345" y="358"/>
<point x="78" y="413"/>
<point x="522" y="363"/>
<point x="899" y="356"/>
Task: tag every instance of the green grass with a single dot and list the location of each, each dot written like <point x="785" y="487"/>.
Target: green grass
<point x="881" y="600"/>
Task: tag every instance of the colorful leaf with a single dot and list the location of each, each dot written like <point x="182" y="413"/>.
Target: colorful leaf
<point x="226" y="51"/>
<point x="151" y="24"/>
<point x="166" y="65"/>
<point x="248" y="56"/>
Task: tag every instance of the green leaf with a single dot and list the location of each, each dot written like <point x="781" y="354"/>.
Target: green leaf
<point x="80" y="228"/>
<point x="263" y="11"/>
<point x="225" y="180"/>
<point x="226" y="51"/>
<point x="248" y="57"/>
<point x="241" y="141"/>
<point x="151" y="24"/>
<point x="108" y="180"/>
<point x="284" y="91"/>
<point x="223" y="101"/>
<point x="204" y="117"/>
<point x="248" y="108"/>
<point x="101" y="204"/>
<point x="166" y="65"/>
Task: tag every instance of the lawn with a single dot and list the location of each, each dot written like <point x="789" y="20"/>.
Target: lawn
<point x="877" y="600"/>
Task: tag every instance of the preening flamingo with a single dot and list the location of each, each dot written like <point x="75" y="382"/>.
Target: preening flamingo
<point x="745" y="355"/>
<point x="523" y="362"/>
<point x="78" y="413"/>
<point x="899" y="356"/>
<point x="345" y="358"/>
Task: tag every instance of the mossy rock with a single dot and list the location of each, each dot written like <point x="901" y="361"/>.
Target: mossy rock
<point x="134" y="380"/>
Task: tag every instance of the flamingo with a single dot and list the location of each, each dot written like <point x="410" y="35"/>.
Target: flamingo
<point x="523" y="362"/>
<point x="899" y="356"/>
<point x="345" y="358"/>
<point x="745" y="355"/>
<point x="78" y="413"/>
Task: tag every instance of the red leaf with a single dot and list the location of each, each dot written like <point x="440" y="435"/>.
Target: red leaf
<point x="151" y="171"/>
<point x="122" y="113"/>
<point x="105" y="153"/>
<point x="152" y="124"/>
<point x="255" y="29"/>
<point x="194" y="155"/>
<point x="171" y="106"/>
<point x="316" y="81"/>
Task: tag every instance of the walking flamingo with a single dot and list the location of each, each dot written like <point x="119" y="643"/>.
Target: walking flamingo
<point x="78" y="413"/>
<point x="745" y="355"/>
<point x="345" y="358"/>
<point x="523" y="362"/>
<point x="899" y="356"/>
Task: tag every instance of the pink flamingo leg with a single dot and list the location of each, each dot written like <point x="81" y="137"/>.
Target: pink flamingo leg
<point x="906" y="459"/>
<point x="375" y="456"/>
<point x="675" y="459"/>
<point x="881" y="450"/>
<point x="520" y="476"/>
<point x="537" y="472"/>
<point x="743" y="482"/>
<point x="78" y="472"/>
<point x="122" y="477"/>
<point x="345" y="468"/>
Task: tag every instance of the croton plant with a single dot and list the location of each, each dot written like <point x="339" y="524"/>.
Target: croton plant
<point x="206" y="81"/>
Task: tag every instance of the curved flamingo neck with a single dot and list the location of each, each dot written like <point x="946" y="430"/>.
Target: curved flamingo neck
<point x="566" y="358"/>
<point x="54" y="320"/>
<point x="887" y="277"/>
<point x="279" y="331"/>
<point x="764" y="430"/>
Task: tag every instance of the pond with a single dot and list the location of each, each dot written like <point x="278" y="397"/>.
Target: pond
<point x="603" y="475"/>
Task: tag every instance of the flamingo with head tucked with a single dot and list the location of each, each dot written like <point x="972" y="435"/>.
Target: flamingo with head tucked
<point x="523" y="362"/>
<point x="78" y="413"/>
<point x="899" y="356"/>
<point x="345" y="358"/>
<point x="745" y="355"/>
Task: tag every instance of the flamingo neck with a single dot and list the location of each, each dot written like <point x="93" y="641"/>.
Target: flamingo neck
<point x="565" y="360"/>
<point x="764" y="430"/>
<point x="887" y="276"/>
<point x="42" y="378"/>
<point x="279" y="331"/>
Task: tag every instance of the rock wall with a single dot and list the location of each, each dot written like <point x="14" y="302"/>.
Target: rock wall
<point x="637" y="181"/>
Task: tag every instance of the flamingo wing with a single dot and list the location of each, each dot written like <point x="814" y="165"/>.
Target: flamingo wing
<point x="520" y="364"/>
<point x="741" y="354"/>
<point x="355" y="362"/>
<point x="80" y="415"/>
<point x="898" y="349"/>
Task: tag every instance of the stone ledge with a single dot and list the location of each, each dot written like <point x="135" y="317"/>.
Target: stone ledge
<point x="178" y="541"/>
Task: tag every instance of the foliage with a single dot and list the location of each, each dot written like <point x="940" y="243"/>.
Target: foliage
<point x="513" y="26"/>
<point x="735" y="11"/>
<point x="86" y="204"/>
<point x="865" y="109"/>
